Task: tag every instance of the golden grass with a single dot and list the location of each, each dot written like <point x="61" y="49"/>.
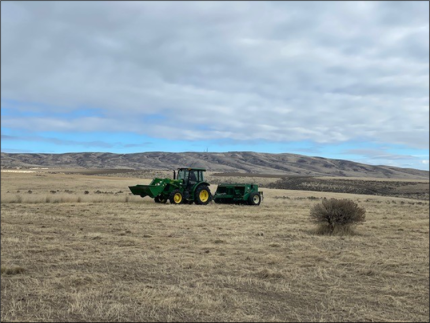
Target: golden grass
<point x="105" y="259"/>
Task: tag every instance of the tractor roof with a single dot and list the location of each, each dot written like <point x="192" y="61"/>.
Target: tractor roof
<point x="191" y="168"/>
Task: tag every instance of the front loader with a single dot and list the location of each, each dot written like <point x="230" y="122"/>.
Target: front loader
<point x="187" y="186"/>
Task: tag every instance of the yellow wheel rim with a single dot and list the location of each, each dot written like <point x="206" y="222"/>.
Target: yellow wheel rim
<point x="177" y="198"/>
<point x="204" y="196"/>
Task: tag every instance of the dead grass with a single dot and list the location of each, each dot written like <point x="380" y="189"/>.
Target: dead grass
<point x="104" y="259"/>
<point x="346" y="230"/>
<point x="67" y="198"/>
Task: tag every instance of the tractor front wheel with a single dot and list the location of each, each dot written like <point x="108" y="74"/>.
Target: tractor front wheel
<point x="254" y="199"/>
<point x="160" y="200"/>
<point x="203" y="195"/>
<point x="176" y="197"/>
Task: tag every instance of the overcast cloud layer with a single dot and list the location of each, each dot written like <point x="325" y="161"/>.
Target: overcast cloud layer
<point x="325" y="72"/>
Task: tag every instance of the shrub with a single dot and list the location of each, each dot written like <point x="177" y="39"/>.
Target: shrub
<point x="336" y="216"/>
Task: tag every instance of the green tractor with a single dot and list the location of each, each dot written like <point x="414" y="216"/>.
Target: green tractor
<point x="187" y="186"/>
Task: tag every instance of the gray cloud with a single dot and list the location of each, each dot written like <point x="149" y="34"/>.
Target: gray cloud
<point x="98" y="144"/>
<point x="283" y="71"/>
<point x="381" y="156"/>
<point x="12" y="150"/>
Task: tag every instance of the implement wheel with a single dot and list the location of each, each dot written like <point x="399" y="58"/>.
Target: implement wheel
<point x="203" y="195"/>
<point x="254" y="198"/>
<point x="176" y="197"/>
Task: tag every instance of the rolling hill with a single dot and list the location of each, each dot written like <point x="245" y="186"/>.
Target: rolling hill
<point x="227" y="162"/>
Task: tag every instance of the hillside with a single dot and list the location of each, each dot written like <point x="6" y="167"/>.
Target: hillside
<point x="228" y="162"/>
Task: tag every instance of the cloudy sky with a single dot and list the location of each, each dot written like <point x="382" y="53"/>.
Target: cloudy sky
<point x="345" y="80"/>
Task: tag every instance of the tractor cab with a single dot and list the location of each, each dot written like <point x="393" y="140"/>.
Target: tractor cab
<point x="190" y="176"/>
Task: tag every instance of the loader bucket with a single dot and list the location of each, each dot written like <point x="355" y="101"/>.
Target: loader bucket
<point x="152" y="190"/>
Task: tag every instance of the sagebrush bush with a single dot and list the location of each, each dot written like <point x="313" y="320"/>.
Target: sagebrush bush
<point x="336" y="216"/>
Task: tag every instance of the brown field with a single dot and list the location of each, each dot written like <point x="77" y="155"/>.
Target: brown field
<point x="106" y="255"/>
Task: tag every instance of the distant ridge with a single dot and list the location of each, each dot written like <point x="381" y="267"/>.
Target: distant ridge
<point x="245" y="162"/>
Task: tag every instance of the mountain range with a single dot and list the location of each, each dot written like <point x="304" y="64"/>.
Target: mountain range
<point x="226" y="162"/>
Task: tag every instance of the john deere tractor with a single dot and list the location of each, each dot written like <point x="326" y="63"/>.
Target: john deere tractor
<point x="187" y="186"/>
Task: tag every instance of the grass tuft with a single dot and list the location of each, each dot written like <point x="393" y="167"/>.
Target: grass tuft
<point x="14" y="270"/>
<point x="326" y="230"/>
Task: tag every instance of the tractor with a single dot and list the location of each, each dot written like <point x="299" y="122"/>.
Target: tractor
<point x="187" y="186"/>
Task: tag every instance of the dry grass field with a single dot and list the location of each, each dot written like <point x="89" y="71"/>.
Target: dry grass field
<point x="80" y="248"/>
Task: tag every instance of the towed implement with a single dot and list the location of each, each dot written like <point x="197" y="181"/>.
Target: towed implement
<point x="238" y="194"/>
<point x="187" y="187"/>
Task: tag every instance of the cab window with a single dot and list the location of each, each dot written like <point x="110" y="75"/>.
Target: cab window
<point x="193" y="176"/>
<point x="200" y="176"/>
<point x="183" y="174"/>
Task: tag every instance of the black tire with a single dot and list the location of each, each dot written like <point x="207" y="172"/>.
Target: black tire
<point x="202" y="195"/>
<point x="160" y="200"/>
<point x="176" y="197"/>
<point x="254" y="198"/>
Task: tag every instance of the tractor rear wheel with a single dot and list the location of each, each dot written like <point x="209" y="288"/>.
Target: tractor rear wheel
<point x="202" y="195"/>
<point x="176" y="197"/>
<point x="254" y="198"/>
